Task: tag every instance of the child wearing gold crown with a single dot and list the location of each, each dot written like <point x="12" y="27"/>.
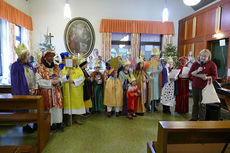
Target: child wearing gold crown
<point x="113" y="97"/>
<point x="123" y="76"/>
<point x="98" y="85"/>
<point x="143" y="84"/>
<point x="132" y="94"/>
<point x="168" y="90"/>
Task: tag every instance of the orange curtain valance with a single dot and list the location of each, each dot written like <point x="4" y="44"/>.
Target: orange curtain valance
<point x="135" y="26"/>
<point x="15" y="16"/>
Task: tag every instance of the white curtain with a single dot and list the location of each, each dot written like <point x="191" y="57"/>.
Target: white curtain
<point x="7" y="44"/>
<point x="106" y="46"/>
<point x="8" y="53"/>
<point x="167" y="39"/>
<point x="135" y="45"/>
<point x="26" y="38"/>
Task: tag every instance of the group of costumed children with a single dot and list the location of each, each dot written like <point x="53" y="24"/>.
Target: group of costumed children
<point x="125" y="87"/>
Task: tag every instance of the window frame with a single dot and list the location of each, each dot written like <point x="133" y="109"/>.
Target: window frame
<point x="151" y="42"/>
<point x="19" y="38"/>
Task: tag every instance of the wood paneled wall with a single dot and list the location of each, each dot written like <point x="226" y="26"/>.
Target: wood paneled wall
<point x="196" y="30"/>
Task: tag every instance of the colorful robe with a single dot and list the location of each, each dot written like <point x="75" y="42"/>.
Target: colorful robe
<point x="19" y="85"/>
<point x="87" y="90"/>
<point x="113" y="96"/>
<point x="124" y="81"/>
<point x="156" y="79"/>
<point x="182" y="97"/>
<point x="77" y="101"/>
<point x="168" y="92"/>
<point x="132" y="99"/>
<point x="98" y="85"/>
<point x="52" y="96"/>
<point x="141" y="77"/>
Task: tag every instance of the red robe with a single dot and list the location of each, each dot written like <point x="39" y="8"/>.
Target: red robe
<point x="47" y="93"/>
<point x="182" y="96"/>
<point x="132" y="99"/>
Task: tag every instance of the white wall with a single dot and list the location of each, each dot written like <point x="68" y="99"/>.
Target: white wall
<point x="49" y="14"/>
<point x="22" y="5"/>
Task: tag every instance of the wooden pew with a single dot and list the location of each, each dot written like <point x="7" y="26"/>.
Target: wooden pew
<point x="185" y="137"/>
<point x="9" y="102"/>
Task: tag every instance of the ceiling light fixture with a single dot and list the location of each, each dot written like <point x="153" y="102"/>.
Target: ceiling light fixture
<point x="165" y="13"/>
<point x="67" y="11"/>
<point x="191" y="2"/>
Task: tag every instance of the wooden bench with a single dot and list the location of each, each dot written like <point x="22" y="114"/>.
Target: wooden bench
<point x="191" y="137"/>
<point x="9" y="102"/>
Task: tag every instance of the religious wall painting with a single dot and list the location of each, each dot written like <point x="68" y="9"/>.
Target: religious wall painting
<point x="79" y="37"/>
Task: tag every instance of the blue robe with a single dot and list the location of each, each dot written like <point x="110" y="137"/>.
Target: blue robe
<point x="19" y="84"/>
<point x="155" y="80"/>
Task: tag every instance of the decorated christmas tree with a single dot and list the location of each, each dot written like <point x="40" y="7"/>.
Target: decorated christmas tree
<point x="171" y="50"/>
<point x="46" y="45"/>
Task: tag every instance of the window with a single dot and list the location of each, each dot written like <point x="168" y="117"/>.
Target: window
<point x="121" y="43"/>
<point x="148" y="42"/>
<point x="18" y="35"/>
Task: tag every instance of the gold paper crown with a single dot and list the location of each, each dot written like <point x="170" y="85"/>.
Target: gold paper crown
<point x="139" y="60"/>
<point x="156" y="51"/>
<point x="170" y="59"/>
<point x="142" y="53"/>
<point x="114" y="63"/>
<point x="97" y="64"/>
<point x="21" y="49"/>
<point x="131" y="78"/>
<point x="126" y="62"/>
<point x="119" y="55"/>
<point x="75" y="60"/>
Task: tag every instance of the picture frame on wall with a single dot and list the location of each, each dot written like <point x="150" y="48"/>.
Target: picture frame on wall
<point x="79" y="37"/>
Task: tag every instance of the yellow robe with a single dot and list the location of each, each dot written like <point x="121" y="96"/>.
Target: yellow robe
<point x="76" y="92"/>
<point x="113" y="96"/>
<point x="139" y="77"/>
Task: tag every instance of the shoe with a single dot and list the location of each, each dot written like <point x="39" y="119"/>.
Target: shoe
<point x="77" y="119"/>
<point x="66" y="120"/>
<point x="109" y="114"/>
<point x="86" y="115"/>
<point x="60" y="127"/>
<point x="130" y="116"/>
<point x="134" y="115"/>
<point x="117" y="114"/>
<point x="155" y="109"/>
<point x="27" y="129"/>
<point x="53" y="127"/>
<point x="192" y="119"/>
<point x="140" y="114"/>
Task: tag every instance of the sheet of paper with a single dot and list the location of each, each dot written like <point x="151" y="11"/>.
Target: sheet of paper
<point x="185" y="72"/>
<point x="228" y="72"/>
<point x="69" y="63"/>
<point x="222" y="42"/>
<point x="174" y="73"/>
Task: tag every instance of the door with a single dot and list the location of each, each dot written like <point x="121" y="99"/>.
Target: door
<point x="219" y="56"/>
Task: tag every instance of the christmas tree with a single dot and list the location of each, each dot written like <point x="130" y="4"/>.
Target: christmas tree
<point x="46" y="45"/>
<point x="171" y="50"/>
